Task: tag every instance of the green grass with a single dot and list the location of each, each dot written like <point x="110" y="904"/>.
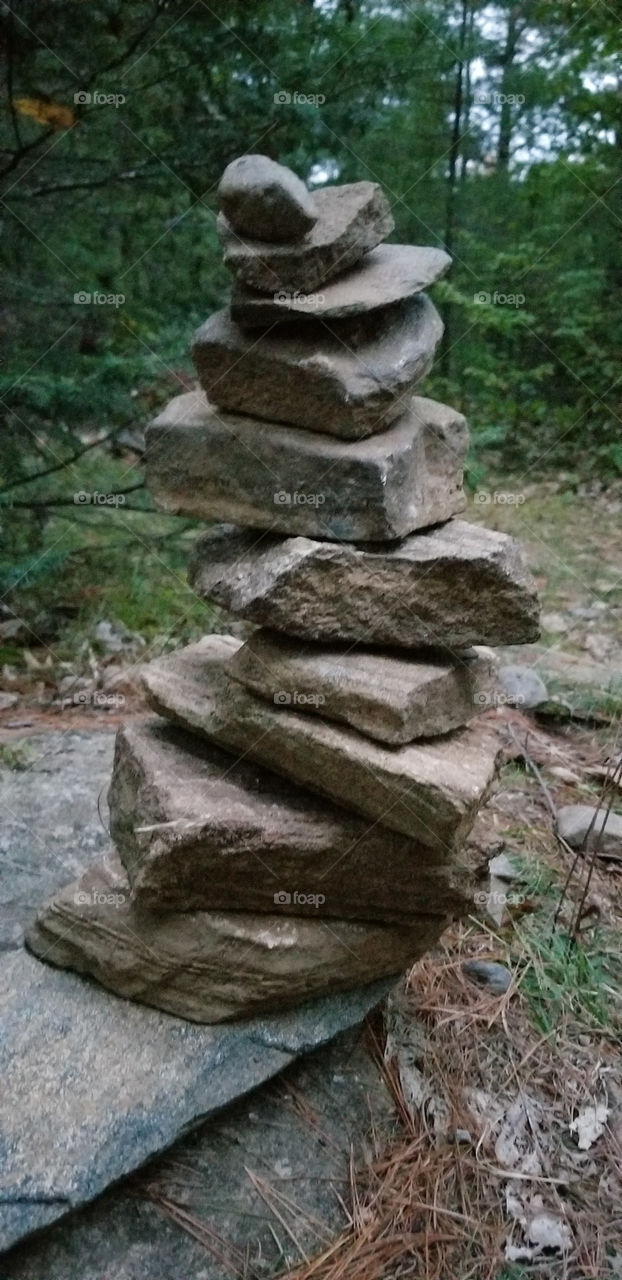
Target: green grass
<point x="570" y="984"/>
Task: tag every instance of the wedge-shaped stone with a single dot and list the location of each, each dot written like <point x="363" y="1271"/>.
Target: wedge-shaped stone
<point x="314" y="376"/>
<point x="350" y="220"/>
<point x="212" y="966"/>
<point x="388" y="274"/>
<point x="388" y="696"/>
<point x="205" y="462"/>
<point x="430" y="791"/>
<point x="198" y="830"/>
<point x="264" y="199"/>
<point x="454" y="586"/>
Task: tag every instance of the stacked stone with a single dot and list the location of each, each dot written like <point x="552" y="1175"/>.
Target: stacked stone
<point x="297" y="826"/>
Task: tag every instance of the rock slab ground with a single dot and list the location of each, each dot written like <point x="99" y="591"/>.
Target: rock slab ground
<point x="122" y="1234"/>
<point x="336" y="382"/>
<point x="453" y="587"/>
<point x="386" y="275"/>
<point x="351" y="219"/>
<point x="205" y="462"/>
<point x="390" y="696"/>
<point x="198" y="831"/>
<point x="429" y="791"/>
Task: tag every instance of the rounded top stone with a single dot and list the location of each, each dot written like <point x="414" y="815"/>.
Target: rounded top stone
<point x="265" y="200"/>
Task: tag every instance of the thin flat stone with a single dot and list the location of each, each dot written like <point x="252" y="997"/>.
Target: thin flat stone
<point x="314" y="376"/>
<point x="391" y="697"/>
<point x="198" y="830"/>
<point x="455" y="586"/>
<point x="205" y="462"/>
<point x="214" y="966"/>
<point x="388" y="274"/>
<point x="94" y="1086"/>
<point x="265" y="200"/>
<point x="429" y="791"/>
<point x="351" y="220"/>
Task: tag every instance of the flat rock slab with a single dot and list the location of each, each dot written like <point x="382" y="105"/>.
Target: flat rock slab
<point x="388" y="274"/>
<point x="265" y="200"/>
<point x="211" y="966"/>
<point x="337" y="382"/>
<point x="198" y="830"/>
<point x="351" y="219"/>
<point x="582" y="826"/>
<point x="455" y="586"/>
<point x="206" y="462"/>
<point x="92" y="1085"/>
<point x="430" y="792"/>
<point x="390" y="697"/>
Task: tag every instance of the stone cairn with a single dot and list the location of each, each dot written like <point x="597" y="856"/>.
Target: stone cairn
<point x="295" y="824"/>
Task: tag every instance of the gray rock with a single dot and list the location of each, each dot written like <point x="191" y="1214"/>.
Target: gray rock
<point x="388" y="274"/>
<point x="316" y="377"/>
<point x="574" y="821"/>
<point x="389" y="696"/>
<point x="93" y="1086"/>
<point x="523" y="687"/>
<point x="265" y="200"/>
<point x="454" y="586"/>
<point x="205" y="462"/>
<point x="215" y="966"/>
<point x="351" y="220"/>
<point x="198" y="830"/>
<point x="488" y="973"/>
<point x="430" y="791"/>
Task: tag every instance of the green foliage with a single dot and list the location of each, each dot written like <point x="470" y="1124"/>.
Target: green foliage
<point x="118" y="198"/>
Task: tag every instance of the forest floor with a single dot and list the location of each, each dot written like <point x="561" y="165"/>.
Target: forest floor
<point x="506" y="1157"/>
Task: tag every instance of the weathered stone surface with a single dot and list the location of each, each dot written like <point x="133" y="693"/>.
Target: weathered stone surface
<point x="351" y="219"/>
<point x="575" y="821"/>
<point x="93" y="1086"/>
<point x="198" y="830"/>
<point x="316" y="379"/>
<point x="522" y="686"/>
<point x="265" y="200"/>
<point x="454" y="586"/>
<point x="205" y="462"/>
<point x="388" y="274"/>
<point x="211" y="966"/>
<point x="390" y="697"/>
<point x="430" y="791"/>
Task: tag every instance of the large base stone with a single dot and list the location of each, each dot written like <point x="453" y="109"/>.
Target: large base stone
<point x="388" y="274"/>
<point x="455" y="586"/>
<point x="391" y="697"/>
<point x="198" y="830"/>
<point x="220" y="466"/>
<point x="211" y="966"/>
<point x="350" y="220"/>
<point x="319" y="377"/>
<point x="94" y="1086"/>
<point x="430" y="792"/>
